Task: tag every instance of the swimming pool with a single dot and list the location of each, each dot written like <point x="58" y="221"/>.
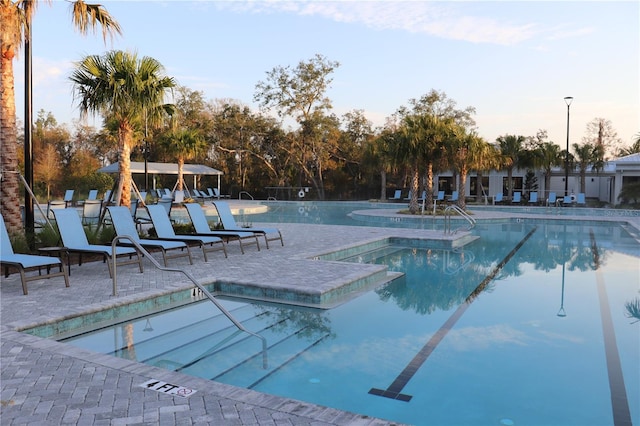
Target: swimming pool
<point x="530" y="324"/>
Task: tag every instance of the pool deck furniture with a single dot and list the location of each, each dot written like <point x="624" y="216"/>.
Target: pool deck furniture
<point x="28" y="262"/>
<point x="581" y="199"/>
<point x="517" y="197"/>
<point x="397" y="195"/>
<point x="533" y="198"/>
<point x="229" y="224"/>
<point x="74" y="240"/>
<point x="551" y="200"/>
<point x="201" y="226"/>
<point x="68" y="197"/>
<point x="125" y="226"/>
<point x="498" y="198"/>
<point x="164" y="230"/>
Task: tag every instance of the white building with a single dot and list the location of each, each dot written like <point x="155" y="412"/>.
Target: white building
<point x="603" y="186"/>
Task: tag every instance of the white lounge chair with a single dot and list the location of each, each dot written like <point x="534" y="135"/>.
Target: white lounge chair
<point x="28" y="262"/>
<point x="125" y="226"/>
<point x="229" y="224"/>
<point x="164" y="230"/>
<point x="75" y="240"/>
<point x="201" y="227"/>
<point x="91" y="210"/>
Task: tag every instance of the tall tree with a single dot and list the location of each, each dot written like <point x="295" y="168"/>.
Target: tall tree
<point x="421" y="145"/>
<point x="15" y="24"/>
<point x="586" y="155"/>
<point x="300" y="93"/>
<point x="182" y="144"/>
<point x="125" y="89"/>
<point x="466" y="152"/>
<point x="512" y="150"/>
<point x="601" y="134"/>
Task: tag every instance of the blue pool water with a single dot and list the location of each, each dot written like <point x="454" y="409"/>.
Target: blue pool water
<point x="531" y="324"/>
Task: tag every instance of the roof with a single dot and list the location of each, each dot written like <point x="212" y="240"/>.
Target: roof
<point x="137" y="167"/>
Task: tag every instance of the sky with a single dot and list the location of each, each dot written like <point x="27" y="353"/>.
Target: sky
<point x="513" y="61"/>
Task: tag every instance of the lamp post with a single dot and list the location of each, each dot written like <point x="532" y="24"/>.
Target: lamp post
<point x="567" y="100"/>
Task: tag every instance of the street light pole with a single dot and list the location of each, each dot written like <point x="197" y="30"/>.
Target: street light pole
<point x="567" y="100"/>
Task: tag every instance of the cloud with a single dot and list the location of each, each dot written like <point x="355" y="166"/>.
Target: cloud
<point x="442" y="20"/>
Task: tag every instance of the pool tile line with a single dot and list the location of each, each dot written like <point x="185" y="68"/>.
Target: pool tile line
<point x="619" y="400"/>
<point x="394" y="391"/>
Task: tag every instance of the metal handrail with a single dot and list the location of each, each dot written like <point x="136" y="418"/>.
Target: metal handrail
<point x="206" y="292"/>
<point x="244" y="192"/>
<point x="447" y="218"/>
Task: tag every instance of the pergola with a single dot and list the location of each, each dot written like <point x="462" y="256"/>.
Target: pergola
<point x="137" y="167"/>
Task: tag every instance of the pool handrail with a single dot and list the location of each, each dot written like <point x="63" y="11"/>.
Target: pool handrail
<point x="447" y="218"/>
<point x="195" y="282"/>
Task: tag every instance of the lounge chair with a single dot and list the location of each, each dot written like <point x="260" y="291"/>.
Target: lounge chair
<point x="216" y="194"/>
<point x="397" y="195"/>
<point x="93" y="194"/>
<point x="107" y="197"/>
<point x="75" y="240"/>
<point x="552" y="199"/>
<point x="164" y="230"/>
<point x="498" y="198"/>
<point x="53" y="205"/>
<point x="124" y="225"/>
<point x="91" y="210"/>
<point x="28" y="262"/>
<point x="567" y="200"/>
<point x="517" y="197"/>
<point x="581" y="199"/>
<point x="454" y="197"/>
<point x="533" y="197"/>
<point x="167" y="203"/>
<point x="178" y="197"/>
<point x="229" y="224"/>
<point x="68" y="197"/>
<point x="201" y="226"/>
<point x="439" y="199"/>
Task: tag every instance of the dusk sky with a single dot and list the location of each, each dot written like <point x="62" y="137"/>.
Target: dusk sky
<point x="513" y="61"/>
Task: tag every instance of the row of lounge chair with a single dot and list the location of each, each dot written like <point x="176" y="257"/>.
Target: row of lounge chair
<point x="552" y="200"/>
<point x="170" y="244"/>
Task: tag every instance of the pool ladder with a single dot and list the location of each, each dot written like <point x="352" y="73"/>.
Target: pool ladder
<point x="447" y="219"/>
<point x="195" y="282"/>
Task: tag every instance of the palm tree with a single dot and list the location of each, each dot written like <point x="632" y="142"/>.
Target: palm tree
<point x="466" y="152"/>
<point x="15" y="21"/>
<point x="183" y="144"/>
<point x="423" y="139"/>
<point x="586" y="155"/>
<point x="129" y="91"/>
<point x="548" y="155"/>
<point x="511" y="147"/>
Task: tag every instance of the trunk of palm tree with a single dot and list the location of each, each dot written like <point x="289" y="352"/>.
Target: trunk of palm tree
<point x="125" y="134"/>
<point x="510" y="183"/>
<point x="180" y="173"/>
<point x="415" y="187"/>
<point x="429" y="185"/>
<point x="462" y="183"/>
<point x="9" y="190"/>
<point x="383" y="185"/>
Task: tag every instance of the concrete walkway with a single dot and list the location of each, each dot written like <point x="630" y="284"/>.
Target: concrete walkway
<point x="49" y="383"/>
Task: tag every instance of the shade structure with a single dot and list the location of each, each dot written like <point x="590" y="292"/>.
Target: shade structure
<point x="137" y="167"/>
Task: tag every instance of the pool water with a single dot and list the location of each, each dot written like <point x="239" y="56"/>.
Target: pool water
<point x="531" y="324"/>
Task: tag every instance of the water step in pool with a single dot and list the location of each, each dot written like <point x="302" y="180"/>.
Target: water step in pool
<point x="244" y="363"/>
